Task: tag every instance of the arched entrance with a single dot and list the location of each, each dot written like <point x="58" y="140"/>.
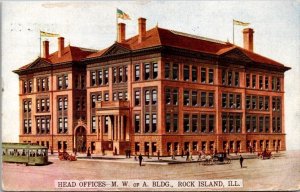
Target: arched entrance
<point x="80" y="139"/>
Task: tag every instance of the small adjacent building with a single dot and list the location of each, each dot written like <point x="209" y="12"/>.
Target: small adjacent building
<point x="159" y="91"/>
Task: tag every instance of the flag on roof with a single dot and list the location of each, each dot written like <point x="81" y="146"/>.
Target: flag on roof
<point x="236" y="22"/>
<point x="122" y="15"/>
<point x="46" y="34"/>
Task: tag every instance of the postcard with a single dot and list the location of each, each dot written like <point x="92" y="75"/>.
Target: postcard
<point x="150" y="95"/>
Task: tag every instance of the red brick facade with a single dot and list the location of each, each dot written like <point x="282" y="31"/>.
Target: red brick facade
<point x="160" y="91"/>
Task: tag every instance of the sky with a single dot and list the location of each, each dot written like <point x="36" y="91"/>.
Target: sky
<point x="92" y="24"/>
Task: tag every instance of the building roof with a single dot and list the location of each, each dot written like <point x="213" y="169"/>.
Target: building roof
<point x="161" y="37"/>
<point x="70" y="53"/>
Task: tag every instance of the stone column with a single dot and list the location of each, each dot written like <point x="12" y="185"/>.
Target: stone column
<point x="119" y="128"/>
<point x="122" y="128"/>
<point x="109" y="129"/>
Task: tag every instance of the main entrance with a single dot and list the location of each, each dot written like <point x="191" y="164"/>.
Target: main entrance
<point x="80" y="139"/>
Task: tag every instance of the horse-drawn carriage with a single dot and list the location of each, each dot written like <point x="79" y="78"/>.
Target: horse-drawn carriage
<point x="66" y="156"/>
<point x="264" y="155"/>
<point x="214" y="159"/>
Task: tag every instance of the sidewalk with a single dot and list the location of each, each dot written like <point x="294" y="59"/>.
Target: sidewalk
<point x="154" y="160"/>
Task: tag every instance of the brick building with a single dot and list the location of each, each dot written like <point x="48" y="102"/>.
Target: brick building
<point x="161" y="90"/>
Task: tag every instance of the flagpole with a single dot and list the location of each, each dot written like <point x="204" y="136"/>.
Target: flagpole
<point x="40" y="44"/>
<point x="117" y="26"/>
<point x="233" y="31"/>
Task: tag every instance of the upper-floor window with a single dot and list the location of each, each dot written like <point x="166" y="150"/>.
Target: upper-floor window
<point x="137" y="125"/>
<point x="186" y="72"/>
<point x="27" y="86"/>
<point x="231" y="100"/>
<point x="230" y="78"/>
<point x="210" y="76"/>
<point x="194" y="73"/>
<point x="137" y="72"/>
<point x="276" y="103"/>
<point x="254" y="102"/>
<point x="231" y="122"/>
<point x="171" y="71"/>
<point x="43" y="84"/>
<point x="203" y="75"/>
<point x="27" y="105"/>
<point x="150" y="70"/>
<point x="171" y="122"/>
<point x="276" y="85"/>
<point x="206" y="99"/>
<point x="93" y="123"/>
<point x="171" y="95"/>
<point x="266" y="82"/>
<point x="150" y="96"/>
<point x="137" y="97"/>
<point x="120" y="74"/>
<point x="150" y="123"/>
<point x="95" y="97"/>
<point x="27" y="126"/>
<point x="42" y="105"/>
<point x="253" y="81"/>
<point x="62" y="82"/>
<point x="62" y="125"/>
<point x="43" y="124"/>
<point x="99" y="77"/>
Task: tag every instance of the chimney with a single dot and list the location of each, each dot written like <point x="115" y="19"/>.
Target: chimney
<point x="248" y="39"/>
<point x="46" y="49"/>
<point x="61" y="46"/>
<point x="142" y="29"/>
<point x="121" y="32"/>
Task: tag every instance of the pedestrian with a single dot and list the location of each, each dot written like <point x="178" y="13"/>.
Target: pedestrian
<point x="187" y="155"/>
<point x="140" y="159"/>
<point x="241" y="161"/>
<point x="88" y="152"/>
<point x="182" y="153"/>
<point x="158" y="154"/>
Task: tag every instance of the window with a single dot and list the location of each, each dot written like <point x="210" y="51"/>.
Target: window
<point x="186" y="123"/>
<point x="43" y="105"/>
<point x="203" y="123"/>
<point x="93" y="76"/>
<point x="106" y="124"/>
<point x="194" y="98"/>
<point x="137" y="147"/>
<point x="248" y="124"/>
<point x="137" y="72"/>
<point x="253" y="81"/>
<point x="120" y="74"/>
<point x="154" y="123"/>
<point x="224" y="100"/>
<point x="137" y="123"/>
<point x="43" y="84"/>
<point x="153" y="146"/>
<point x="146" y="71"/>
<point x="60" y="104"/>
<point x="168" y="96"/>
<point x="106" y="97"/>
<point x="267" y="100"/>
<point x="247" y="80"/>
<point x="261" y="124"/>
<point x="237" y="79"/>
<point x="114" y="75"/>
<point x="186" y="73"/>
<point x="266" y="82"/>
<point x="248" y="102"/>
<point x="105" y="76"/>
<point x="229" y="76"/>
<point x="238" y="101"/>
<point x="211" y="99"/>
<point x="254" y="123"/>
<point x="126" y="74"/>
<point x="62" y="125"/>
<point x="260" y="79"/>
<point x="231" y="126"/>
<point x="254" y="102"/>
<point x="137" y="97"/>
<point x="120" y="95"/>
<point x="147" y="97"/>
<point x="147" y="123"/>
<point x="238" y="123"/>
<point x="194" y="74"/>
<point x="210" y="76"/>
<point x="42" y="124"/>
<point x="203" y="99"/>
<point x="175" y="96"/>
<point x="154" y="97"/>
<point x="211" y="123"/>
<point x="93" y="130"/>
<point x="203" y="75"/>
<point x="100" y="77"/>
<point x="267" y="124"/>
<point x="155" y="70"/>
<point x="175" y="71"/>
<point x="261" y="103"/>
<point x="168" y="122"/>
<point x="62" y="81"/>
<point x="194" y="123"/>
<point x="167" y="70"/>
<point x="175" y="122"/>
<point x="186" y="100"/>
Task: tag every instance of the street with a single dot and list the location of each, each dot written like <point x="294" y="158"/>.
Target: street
<point x="280" y="173"/>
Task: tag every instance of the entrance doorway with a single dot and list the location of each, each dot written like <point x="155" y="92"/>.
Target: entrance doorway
<point x="80" y="139"/>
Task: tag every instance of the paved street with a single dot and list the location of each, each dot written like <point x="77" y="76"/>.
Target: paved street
<point x="280" y="173"/>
